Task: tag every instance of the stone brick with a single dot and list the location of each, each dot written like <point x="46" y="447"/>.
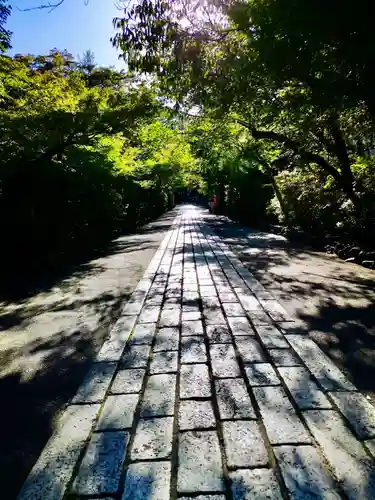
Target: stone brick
<point x="297" y="327"/>
<point x="259" y="318"/>
<point x="173" y="290"/>
<point x="271" y="336"/>
<point x="228" y="297"/>
<point x="199" y="462"/>
<point x="147" y="481"/>
<point x="211" y="303"/>
<point x="244" y="446"/>
<point x="193" y="350"/>
<point x="188" y="297"/>
<point x="128" y="381"/>
<point x="170" y="317"/>
<point x="222" y="286"/>
<point x="214" y="316"/>
<point x="149" y="314"/>
<point x="102" y="463"/>
<point x="250" y="350"/>
<point x="233" y="399"/>
<point x="136" y="356"/>
<point x="172" y="303"/>
<point x="234" y="279"/>
<point x="280" y="420"/>
<point x="240" y="326"/>
<point x="304" y="473"/>
<point x="284" y="357"/>
<point x="196" y="415"/>
<point x="143" y="334"/>
<point x="155" y="293"/>
<point x="53" y="470"/>
<point x="154" y="300"/>
<point x="192" y="328"/>
<point x="111" y="350"/>
<point x="255" y="484"/>
<point x="134" y="306"/>
<point x="261" y="374"/>
<point x="118" y="412"/>
<point x="345" y="454"/>
<point x="164" y="362"/>
<point x="218" y="334"/>
<point x="249" y="302"/>
<point x="358" y="411"/>
<point x="191" y="306"/>
<point x="190" y="278"/>
<point x="194" y="381"/>
<point x="167" y="339"/>
<point x="190" y="287"/>
<point x="153" y="439"/>
<point x="304" y="391"/>
<point x="96" y="383"/>
<point x="204" y="280"/>
<point x="159" y="397"/>
<point x="233" y="309"/>
<point x="123" y="327"/>
<point x="113" y="347"/>
<point x="212" y="312"/>
<point x="223" y="360"/>
<point x="254" y="285"/>
<point x="191" y="316"/>
<point x="275" y="310"/>
<point x="323" y="369"/>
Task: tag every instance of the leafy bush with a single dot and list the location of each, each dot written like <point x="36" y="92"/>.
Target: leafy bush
<point x="313" y="203"/>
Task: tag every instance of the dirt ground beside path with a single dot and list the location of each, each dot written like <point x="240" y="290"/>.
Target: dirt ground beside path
<point x="333" y="300"/>
<point x="48" y="341"/>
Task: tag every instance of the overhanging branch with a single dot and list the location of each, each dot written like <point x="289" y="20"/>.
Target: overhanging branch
<point x="50" y="5"/>
<point x="294" y="146"/>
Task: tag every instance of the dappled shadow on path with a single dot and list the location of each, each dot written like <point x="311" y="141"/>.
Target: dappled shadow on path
<point x="332" y="300"/>
<point x="40" y="372"/>
<point x="49" y="337"/>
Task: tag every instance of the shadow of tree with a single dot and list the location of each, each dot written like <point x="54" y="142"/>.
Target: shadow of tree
<point x="39" y="377"/>
<point x="101" y="467"/>
<point x="333" y="301"/>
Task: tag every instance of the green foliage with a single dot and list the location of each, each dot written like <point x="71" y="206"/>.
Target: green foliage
<point x="85" y="155"/>
<point x="295" y="74"/>
<point x="245" y="98"/>
<point x="231" y="168"/>
<point x="5" y="35"/>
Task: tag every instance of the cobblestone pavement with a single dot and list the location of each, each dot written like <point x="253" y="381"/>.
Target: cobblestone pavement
<point x="206" y="389"/>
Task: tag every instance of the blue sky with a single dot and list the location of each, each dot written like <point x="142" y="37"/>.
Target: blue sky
<point x="73" y="26"/>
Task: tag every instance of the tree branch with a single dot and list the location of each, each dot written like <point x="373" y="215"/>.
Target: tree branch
<point x="49" y="5"/>
<point x="340" y="147"/>
<point x="294" y="146"/>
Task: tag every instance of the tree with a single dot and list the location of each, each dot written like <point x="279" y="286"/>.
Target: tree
<point x="5" y="35"/>
<point x="87" y="62"/>
<point x="232" y="62"/>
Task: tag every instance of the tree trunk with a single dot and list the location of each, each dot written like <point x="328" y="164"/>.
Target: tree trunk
<point x="279" y="197"/>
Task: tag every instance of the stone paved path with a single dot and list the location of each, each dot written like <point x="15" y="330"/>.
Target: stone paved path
<point x="205" y="388"/>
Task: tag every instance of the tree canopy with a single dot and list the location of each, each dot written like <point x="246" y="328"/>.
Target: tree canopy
<point x="270" y="66"/>
<point x="267" y="104"/>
